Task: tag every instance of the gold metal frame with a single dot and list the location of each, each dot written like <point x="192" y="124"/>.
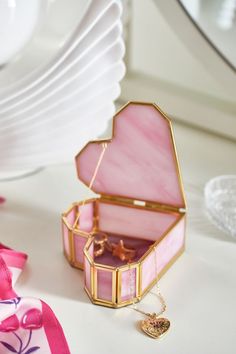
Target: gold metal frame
<point x="116" y="301"/>
<point x="154" y="206"/>
<point x="75" y="231"/>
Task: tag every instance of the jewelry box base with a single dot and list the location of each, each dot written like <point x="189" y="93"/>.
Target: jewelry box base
<point x="111" y="285"/>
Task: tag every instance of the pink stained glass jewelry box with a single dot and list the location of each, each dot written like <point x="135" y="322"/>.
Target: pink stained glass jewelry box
<point x="141" y="201"/>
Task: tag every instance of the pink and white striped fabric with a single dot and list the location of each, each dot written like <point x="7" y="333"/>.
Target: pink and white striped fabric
<point x="27" y="325"/>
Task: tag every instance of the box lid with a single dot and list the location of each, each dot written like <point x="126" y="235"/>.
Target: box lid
<point x="140" y="161"/>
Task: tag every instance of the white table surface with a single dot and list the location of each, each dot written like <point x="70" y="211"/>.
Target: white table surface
<point x="200" y="289"/>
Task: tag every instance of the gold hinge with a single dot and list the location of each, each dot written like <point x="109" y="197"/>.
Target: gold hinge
<point x="142" y="203"/>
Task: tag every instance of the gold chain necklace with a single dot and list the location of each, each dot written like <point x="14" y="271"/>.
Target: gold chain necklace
<point x="104" y="147"/>
<point x="154" y="325"/>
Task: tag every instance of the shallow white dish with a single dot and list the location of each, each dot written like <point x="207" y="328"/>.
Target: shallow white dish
<point x="94" y="12"/>
<point x="18" y="21"/>
<point x="66" y="87"/>
<point x="40" y="122"/>
<point x="65" y="150"/>
<point x="58" y="127"/>
<point x="50" y="35"/>
<point x="50" y="113"/>
<point x="102" y="35"/>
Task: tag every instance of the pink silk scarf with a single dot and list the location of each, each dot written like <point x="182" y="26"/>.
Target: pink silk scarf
<point x="27" y="325"/>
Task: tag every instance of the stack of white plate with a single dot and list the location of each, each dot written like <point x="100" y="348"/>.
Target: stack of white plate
<point x="59" y="93"/>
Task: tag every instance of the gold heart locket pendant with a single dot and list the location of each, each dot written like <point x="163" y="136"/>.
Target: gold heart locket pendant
<point x="155" y="327"/>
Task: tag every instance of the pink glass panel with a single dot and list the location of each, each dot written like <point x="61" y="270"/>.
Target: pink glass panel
<point x="148" y="271"/>
<point x="87" y="270"/>
<point x="140" y="161"/>
<point x="170" y="245"/>
<point x="91" y="249"/>
<point x="71" y="216"/>
<point x="86" y="217"/>
<point x="134" y="222"/>
<point x="165" y="251"/>
<point x="104" y="285"/>
<point x="66" y="239"/>
<point x="79" y="243"/>
<point x="128" y="284"/>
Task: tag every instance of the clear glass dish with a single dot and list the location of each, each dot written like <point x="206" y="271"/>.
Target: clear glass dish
<point x="220" y="201"/>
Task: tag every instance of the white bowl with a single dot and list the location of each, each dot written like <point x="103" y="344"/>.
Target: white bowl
<point x="18" y="20"/>
<point x="80" y="75"/>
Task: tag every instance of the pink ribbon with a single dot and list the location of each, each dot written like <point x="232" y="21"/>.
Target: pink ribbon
<point x="27" y="325"/>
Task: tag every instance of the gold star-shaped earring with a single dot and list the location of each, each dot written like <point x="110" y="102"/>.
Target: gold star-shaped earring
<point x="119" y="250"/>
